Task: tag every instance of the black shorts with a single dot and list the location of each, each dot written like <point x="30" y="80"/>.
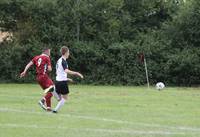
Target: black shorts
<point x="62" y="87"/>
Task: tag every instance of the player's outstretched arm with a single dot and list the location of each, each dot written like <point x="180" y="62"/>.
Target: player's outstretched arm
<point x="26" y="69"/>
<point x="74" y="73"/>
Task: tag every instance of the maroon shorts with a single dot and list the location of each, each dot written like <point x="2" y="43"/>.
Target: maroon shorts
<point x="44" y="81"/>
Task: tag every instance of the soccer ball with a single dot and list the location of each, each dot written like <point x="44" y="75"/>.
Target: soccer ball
<point x="160" y="85"/>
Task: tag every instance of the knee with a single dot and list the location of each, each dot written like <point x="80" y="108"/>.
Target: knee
<point x="52" y="89"/>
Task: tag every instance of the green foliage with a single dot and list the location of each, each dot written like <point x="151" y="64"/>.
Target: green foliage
<point x="105" y="38"/>
<point x="117" y="64"/>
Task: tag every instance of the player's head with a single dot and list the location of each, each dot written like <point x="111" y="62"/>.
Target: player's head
<point x="64" y="51"/>
<point x="46" y="51"/>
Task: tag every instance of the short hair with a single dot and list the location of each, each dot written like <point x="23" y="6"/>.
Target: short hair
<point x="63" y="50"/>
<point x="45" y="49"/>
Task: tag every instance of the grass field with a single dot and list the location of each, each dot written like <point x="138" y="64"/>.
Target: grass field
<point x="101" y="111"/>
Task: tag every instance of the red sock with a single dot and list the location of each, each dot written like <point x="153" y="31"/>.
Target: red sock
<point x="48" y="99"/>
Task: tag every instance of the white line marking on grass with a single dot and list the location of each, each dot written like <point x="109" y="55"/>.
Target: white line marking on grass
<point x="191" y="129"/>
<point x="133" y="132"/>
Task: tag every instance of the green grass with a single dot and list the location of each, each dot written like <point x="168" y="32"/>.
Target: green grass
<point x="101" y="111"/>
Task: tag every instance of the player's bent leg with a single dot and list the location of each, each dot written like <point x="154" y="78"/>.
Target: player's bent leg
<point x="48" y="86"/>
<point x="45" y="102"/>
<point x="49" y="89"/>
<point x="60" y="103"/>
<point x="48" y="100"/>
<point x="56" y="95"/>
<point x="52" y="89"/>
<point x="42" y="104"/>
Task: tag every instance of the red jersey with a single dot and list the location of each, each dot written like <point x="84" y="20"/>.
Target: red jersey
<point x="41" y="62"/>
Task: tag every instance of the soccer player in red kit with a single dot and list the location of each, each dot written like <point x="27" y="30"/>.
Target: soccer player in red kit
<point x="43" y="66"/>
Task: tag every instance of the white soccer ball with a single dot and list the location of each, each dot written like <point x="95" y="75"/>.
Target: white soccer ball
<point x="160" y="85"/>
